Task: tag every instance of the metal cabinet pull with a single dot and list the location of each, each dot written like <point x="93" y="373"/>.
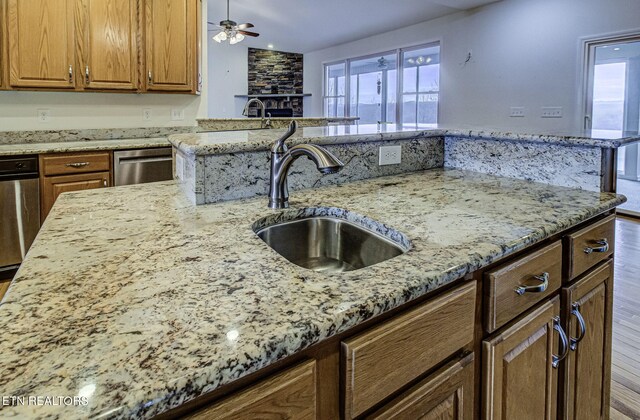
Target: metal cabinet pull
<point x="150" y="78"/>
<point x="70" y="74"/>
<point x="575" y="311"/>
<point x="543" y="278"/>
<point x="86" y="75"/>
<point x="604" y="247"/>
<point x="76" y="165"/>
<point x="564" y="343"/>
<point x="104" y="182"/>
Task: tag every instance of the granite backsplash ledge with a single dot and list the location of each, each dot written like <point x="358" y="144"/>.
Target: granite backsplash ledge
<point x="58" y="136"/>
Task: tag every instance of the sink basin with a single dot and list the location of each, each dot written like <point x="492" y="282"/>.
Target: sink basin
<point x="328" y="244"/>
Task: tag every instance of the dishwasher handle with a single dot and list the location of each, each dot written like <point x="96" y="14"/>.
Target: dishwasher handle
<point x="136" y="159"/>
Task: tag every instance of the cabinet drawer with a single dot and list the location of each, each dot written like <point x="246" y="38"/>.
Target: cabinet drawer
<point x="380" y="361"/>
<point x="290" y="394"/>
<point x="506" y="295"/>
<point x="447" y="394"/>
<point x="77" y="163"/>
<point x="589" y="246"/>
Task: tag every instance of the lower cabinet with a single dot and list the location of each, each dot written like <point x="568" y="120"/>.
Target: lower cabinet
<point x="53" y="186"/>
<point x="65" y="172"/>
<point x="445" y="395"/>
<point x="587" y="370"/>
<point x="290" y="394"/>
<point x="520" y="367"/>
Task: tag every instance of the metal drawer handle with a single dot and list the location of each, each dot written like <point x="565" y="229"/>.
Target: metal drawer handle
<point x="604" y="247"/>
<point x="77" y="165"/>
<point x="543" y="278"/>
<point x="564" y="343"/>
<point x="575" y="310"/>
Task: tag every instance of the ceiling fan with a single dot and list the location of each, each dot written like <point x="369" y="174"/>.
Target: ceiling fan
<point x="230" y="30"/>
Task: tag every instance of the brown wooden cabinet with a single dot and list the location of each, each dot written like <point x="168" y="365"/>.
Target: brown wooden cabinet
<point x="290" y="394"/>
<point x="110" y="44"/>
<point x="520" y="381"/>
<point x="171" y="46"/>
<point x="101" y="45"/>
<point x="587" y="372"/>
<point x="65" y="172"/>
<point x="41" y="43"/>
<point x="445" y="395"/>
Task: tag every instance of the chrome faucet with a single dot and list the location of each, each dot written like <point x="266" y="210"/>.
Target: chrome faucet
<point x="263" y="123"/>
<point x="282" y="158"/>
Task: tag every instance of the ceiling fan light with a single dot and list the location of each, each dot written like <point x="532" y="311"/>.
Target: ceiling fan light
<point x="236" y="38"/>
<point x="221" y="36"/>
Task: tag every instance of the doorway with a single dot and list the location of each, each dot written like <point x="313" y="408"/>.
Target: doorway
<point x="613" y="106"/>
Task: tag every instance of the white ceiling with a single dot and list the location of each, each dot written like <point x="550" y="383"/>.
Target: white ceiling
<point x="309" y="25"/>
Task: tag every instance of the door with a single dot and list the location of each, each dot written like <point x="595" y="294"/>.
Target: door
<point x="520" y="368"/>
<point x="110" y="44"/>
<point x="53" y="186"/>
<point x="613" y="106"/>
<point x="587" y="372"/>
<point x="445" y="395"/>
<point x="41" y="43"/>
<point x="170" y="45"/>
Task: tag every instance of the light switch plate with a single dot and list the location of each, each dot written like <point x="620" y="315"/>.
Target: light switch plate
<point x="177" y="114"/>
<point x="516" y="111"/>
<point x="390" y="155"/>
<point x="551" y="112"/>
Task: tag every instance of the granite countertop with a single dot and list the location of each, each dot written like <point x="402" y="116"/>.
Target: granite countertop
<point x="139" y="301"/>
<point x="245" y="119"/>
<point x="205" y="143"/>
<point x="82" y="146"/>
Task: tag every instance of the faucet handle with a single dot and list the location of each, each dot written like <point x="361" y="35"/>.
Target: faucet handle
<point x="279" y="146"/>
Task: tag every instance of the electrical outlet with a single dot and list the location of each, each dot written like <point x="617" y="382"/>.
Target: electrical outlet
<point x="177" y="114"/>
<point x="517" y="111"/>
<point x="551" y="112"/>
<point x="44" y="115"/>
<point x="147" y="114"/>
<point x="390" y="155"/>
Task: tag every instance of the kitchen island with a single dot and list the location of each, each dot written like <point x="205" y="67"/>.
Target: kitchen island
<point x="141" y="302"/>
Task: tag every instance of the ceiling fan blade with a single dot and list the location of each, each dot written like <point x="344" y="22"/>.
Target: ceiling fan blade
<point x="245" y="26"/>
<point x="247" y="33"/>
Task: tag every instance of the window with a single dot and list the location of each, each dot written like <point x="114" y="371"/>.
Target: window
<point x="420" y="86"/>
<point x="375" y="89"/>
<point x="334" y="90"/>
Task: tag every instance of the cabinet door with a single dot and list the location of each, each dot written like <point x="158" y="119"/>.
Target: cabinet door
<point x="447" y="394"/>
<point x="171" y="45"/>
<point x="110" y="44"/>
<point x="41" y="43"/>
<point x="587" y="373"/>
<point x="53" y="186"/>
<point x="291" y="394"/>
<point x="520" y="381"/>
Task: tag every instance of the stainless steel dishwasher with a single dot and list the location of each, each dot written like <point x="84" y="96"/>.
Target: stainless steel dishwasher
<point x="19" y="208"/>
<point x="142" y="165"/>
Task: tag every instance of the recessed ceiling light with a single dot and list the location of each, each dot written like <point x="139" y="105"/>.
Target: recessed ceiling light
<point x="270" y="46"/>
<point x="616" y="49"/>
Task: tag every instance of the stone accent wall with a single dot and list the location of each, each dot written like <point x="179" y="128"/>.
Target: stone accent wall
<point x="276" y="72"/>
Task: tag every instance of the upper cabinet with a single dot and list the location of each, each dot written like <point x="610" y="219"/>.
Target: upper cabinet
<point x="110" y="45"/>
<point x="101" y="45"/>
<point x="41" y="50"/>
<point x="171" y="46"/>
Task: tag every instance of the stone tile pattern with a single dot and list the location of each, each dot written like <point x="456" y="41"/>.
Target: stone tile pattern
<point x="227" y="124"/>
<point x="82" y="146"/>
<point x="138" y="299"/>
<point x="276" y="72"/>
<point x="243" y="175"/>
<point x="574" y="167"/>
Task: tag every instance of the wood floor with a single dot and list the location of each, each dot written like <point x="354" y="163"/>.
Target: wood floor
<point x="625" y="375"/>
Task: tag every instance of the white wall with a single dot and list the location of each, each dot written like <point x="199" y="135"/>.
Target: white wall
<point x="228" y="76"/>
<point x="79" y="110"/>
<point x="525" y="53"/>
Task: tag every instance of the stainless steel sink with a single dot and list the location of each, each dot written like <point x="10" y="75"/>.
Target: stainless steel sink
<point x="328" y="244"/>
